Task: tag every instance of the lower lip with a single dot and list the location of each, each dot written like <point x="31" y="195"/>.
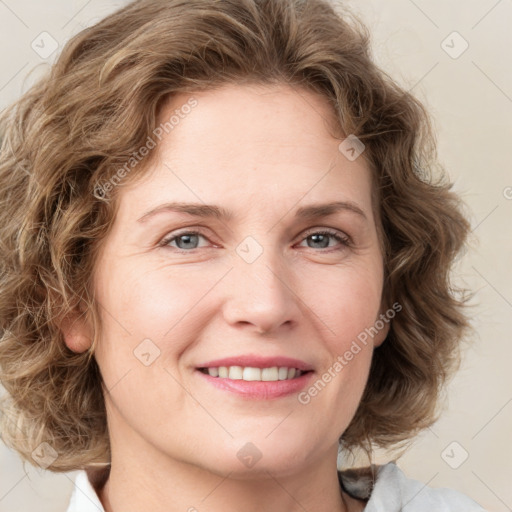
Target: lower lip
<point x="259" y="390"/>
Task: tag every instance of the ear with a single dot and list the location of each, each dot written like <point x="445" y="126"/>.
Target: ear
<point x="76" y="331"/>
<point x="383" y="324"/>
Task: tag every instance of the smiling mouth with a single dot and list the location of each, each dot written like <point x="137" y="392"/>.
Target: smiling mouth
<point x="248" y="373"/>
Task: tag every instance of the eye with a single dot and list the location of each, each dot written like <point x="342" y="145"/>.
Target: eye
<point x="185" y="240"/>
<point x="188" y="240"/>
<point x="321" y="238"/>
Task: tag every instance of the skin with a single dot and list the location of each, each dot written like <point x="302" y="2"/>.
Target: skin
<point x="261" y="152"/>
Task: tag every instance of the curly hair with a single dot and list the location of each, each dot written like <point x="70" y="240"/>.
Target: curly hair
<point x="95" y="109"/>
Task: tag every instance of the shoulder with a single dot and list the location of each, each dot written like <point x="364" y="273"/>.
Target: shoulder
<point x="389" y="490"/>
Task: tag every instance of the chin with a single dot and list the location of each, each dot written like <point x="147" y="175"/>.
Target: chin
<point x="261" y="470"/>
<point x="251" y="460"/>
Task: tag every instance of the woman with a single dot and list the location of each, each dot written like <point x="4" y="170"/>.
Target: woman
<point x="225" y="263"/>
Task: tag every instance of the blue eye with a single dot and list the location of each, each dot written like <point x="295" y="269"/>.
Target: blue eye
<point x="322" y="238"/>
<point x="187" y="241"/>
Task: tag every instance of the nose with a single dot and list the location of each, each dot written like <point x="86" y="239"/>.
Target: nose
<point x="261" y="296"/>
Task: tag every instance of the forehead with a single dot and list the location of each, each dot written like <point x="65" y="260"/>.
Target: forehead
<point x="271" y="116"/>
<point x="273" y="145"/>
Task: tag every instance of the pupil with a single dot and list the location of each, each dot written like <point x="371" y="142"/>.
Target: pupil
<point x="186" y="238"/>
<point x="325" y="239"/>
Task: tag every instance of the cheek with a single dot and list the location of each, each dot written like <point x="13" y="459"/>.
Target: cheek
<point x="349" y="309"/>
<point x="153" y="302"/>
<point x="346" y="301"/>
<point x="149" y="319"/>
<point x="157" y="305"/>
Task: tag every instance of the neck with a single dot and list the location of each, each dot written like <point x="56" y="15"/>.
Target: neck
<point x="294" y="493"/>
<point x="169" y="485"/>
<point x="115" y="498"/>
<point x="167" y="475"/>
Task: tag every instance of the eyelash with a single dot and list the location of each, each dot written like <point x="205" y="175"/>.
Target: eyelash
<point x="345" y="241"/>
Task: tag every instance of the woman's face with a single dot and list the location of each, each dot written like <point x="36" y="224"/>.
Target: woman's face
<point x="261" y="281"/>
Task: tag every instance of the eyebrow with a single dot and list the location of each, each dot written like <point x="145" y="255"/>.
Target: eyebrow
<point x="312" y="211"/>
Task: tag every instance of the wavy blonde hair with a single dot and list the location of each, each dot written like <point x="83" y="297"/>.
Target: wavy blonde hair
<point x="96" y="107"/>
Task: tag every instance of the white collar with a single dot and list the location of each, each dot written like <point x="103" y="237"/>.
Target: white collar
<point x="84" y="497"/>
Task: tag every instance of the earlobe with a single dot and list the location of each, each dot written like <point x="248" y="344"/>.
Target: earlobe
<point x="383" y="325"/>
<point x="381" y="336"/>
<point x="76" y="332"/>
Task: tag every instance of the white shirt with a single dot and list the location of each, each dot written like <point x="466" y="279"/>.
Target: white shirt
<point x="392" y="492"/>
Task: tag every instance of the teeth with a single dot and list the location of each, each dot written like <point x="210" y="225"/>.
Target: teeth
<point x="249" y="373"/>
<point x="235" y="372"/>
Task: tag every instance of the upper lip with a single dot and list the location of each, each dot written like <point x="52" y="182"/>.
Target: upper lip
<point x="258" y="362"/>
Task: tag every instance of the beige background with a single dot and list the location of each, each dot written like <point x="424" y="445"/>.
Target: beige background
<point x="470" y="98"/>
